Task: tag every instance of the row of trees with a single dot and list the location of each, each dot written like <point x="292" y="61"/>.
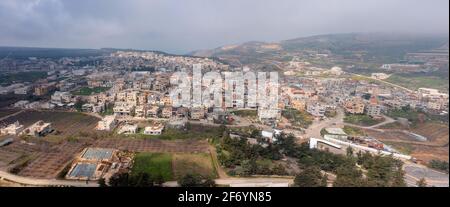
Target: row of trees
<point x="242" y="157"/>
<point x="351" y="170"/>
<point x="379" y="171"/>
<point x="123" y="179"/>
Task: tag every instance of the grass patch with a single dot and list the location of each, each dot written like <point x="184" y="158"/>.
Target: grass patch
<point x="86" y="91"/>
<point x="404" y="148"/>
<point x="246" y="113"/>
<point x="155" y="164"/>
<point x="193" y="164"/>
<point x="363" y="120"/>
<point x="192" y="131"/>
<point x="298" y="118"/>
<point x="108" y="110"/>
<point x="415" y="82"/>
<point x="353" y="131"/>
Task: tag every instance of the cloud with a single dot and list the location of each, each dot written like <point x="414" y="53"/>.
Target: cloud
<point x="181" y="26"/>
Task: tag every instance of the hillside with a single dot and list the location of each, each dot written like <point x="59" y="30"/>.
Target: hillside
<point x="370" y="47"/>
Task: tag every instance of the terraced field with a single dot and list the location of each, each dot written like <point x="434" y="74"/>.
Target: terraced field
<point x="16" y="150"/>
<point x="48" y="164"/>
<point x="6" y="112"/>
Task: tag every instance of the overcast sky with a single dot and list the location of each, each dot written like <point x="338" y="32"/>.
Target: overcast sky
<point x="179" y="26"/>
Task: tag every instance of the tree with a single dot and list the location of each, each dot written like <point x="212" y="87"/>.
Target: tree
<point x="159" y="180"/>
<point x="349" y="152"/>
<point x="348" y="176"/>
<point x="422" y="183"/>
<point x="79" y="105"/>
<point x="190" y="180"/>
<point x="255" y="133"/>
<point x="195" y="180"/>
<point x="249" y="167"/>
<point x="398" y="179"/>
<point x="310" y="177"/>
<point x="119" y="180"/>
<point x="142" y="180"/>
<point x="209" y="183"/>
<point x="102" y="183"/>
<point x="324" y="181"/>
<point x="279" y="170"/>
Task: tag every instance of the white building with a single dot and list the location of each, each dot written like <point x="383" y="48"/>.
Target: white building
<point x="12" y="129"/>
<point x="154" y="130"/>
<point x="123" y="109"/>
<point x="128" y="129"/>
<point x="380" y="76"/>
<point x="271" y="134"/>
<point x="107" y="124"/>
<point x="21" y="104"/>
<point x="38" y="129"/>
<point x="23" y="90"/>
<point x="61" y="97"/>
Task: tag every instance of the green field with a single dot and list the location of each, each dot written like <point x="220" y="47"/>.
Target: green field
<point x="353" y="131"/>
<point x="363" y="120"/>
<point x="173" y="166"/>
<point x="86" y="91"/>
<point x="156" y="164"/>
<point x="200" y="163"/>
<point x="246" y="113"/>
<point x="414" y="83"/>
<point x="31" y="76"/>
<point x="192" y="131"/>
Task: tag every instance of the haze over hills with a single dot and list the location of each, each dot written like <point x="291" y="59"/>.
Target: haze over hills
<point x="380" y="46"/>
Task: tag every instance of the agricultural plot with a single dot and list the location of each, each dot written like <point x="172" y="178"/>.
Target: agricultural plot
<point x="172" y="166"/>
<point x="193" y="164"/>
<point x="6" y="112"/>
<point x="86" y="91"/>
<point x="15" y="151"/>
<point x="49" y="164"/>
<point x="156" y="164"/>
<point x="67" y="123"/>
<point x="154" y="145"/>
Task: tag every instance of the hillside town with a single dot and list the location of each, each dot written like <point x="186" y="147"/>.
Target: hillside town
<point x="128" y="92"/>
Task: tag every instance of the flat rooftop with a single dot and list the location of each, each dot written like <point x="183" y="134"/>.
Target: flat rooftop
<point x="97" y="154"/>
<point x="82" y="170"/>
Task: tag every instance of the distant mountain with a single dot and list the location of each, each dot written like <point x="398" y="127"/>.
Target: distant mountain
<point x="25" y="52"/>
<point x="374" y="46"/>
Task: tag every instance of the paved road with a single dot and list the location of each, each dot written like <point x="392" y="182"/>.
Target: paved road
<point x="415" y="172"/>
<point x="314" y="129"/>
<point x="222" y="181"/>
<point x="387" y="120"/>
<point x="247" y="182"/>
<point x="11" y="115"/>
<point x="385" y="82"/>
<point x="45" y="182"/>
